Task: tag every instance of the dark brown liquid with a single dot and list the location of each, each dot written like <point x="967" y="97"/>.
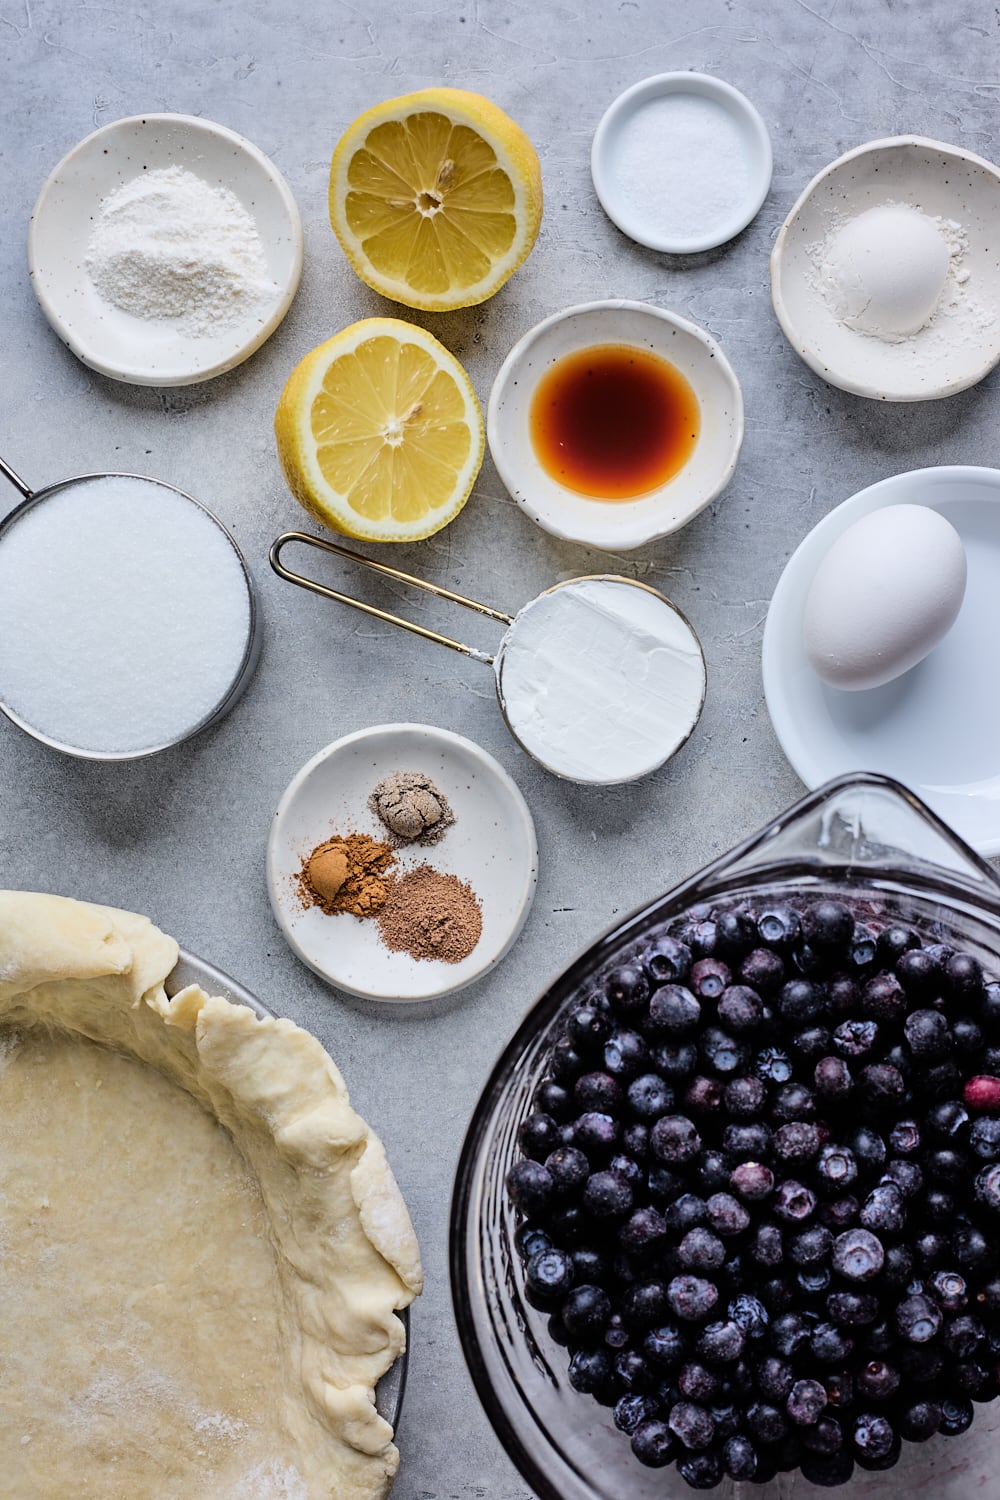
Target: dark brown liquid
<point x="613" y="422"/>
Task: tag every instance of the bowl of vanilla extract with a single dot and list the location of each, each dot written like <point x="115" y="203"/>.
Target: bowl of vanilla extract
<point x="614" y="423"/>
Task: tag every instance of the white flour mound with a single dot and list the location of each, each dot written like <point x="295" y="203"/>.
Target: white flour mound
<point x="168" y="245"/>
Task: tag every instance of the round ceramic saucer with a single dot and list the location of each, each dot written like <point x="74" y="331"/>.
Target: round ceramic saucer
<point x="155" y="351"/>
<point x="937" y="727"/>
<point x="491" y="846"/>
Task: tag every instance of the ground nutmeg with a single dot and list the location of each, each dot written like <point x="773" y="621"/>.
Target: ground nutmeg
<point x="431" y="915"/>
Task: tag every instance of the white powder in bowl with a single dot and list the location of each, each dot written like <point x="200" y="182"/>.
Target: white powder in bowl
<point x="124" y="615"/>
<point x="169" y="246"/>
<point x="682" y="166"/>
<point x="601" y="680"/>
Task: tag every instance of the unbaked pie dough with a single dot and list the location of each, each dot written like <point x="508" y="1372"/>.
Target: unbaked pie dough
<point x="198" y="1283"/>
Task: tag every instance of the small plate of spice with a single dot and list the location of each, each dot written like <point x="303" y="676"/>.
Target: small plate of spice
<point x="402" y="863"/>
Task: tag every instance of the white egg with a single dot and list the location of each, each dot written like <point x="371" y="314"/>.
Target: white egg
<point x="885" y="271"/>
<point x="888" y="590"/>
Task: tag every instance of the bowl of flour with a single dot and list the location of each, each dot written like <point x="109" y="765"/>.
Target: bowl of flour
<point x="165" y="249"/>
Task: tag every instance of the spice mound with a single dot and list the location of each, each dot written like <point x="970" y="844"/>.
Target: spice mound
<point x="411" y="808"/>
<point x="346" y="874"/>
<point x="431" y="915"/>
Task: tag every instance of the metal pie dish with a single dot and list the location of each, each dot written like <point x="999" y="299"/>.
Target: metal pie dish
<point x="940" y="180"/>
<point x="146" y="351"/>
<point x="190" y="969"/>
<point x="616" y="525"/>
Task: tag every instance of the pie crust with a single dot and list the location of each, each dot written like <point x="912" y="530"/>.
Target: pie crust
<point x="202" y="1246"/>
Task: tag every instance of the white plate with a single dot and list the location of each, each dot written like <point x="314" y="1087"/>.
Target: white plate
<point x="955" y="350"/>
<point x="491" y="846"/>
<point x="138" y="350"/>
<point x="936" y="728"/>
<point x="616" y="525"/>
<point x="645" y="109"/>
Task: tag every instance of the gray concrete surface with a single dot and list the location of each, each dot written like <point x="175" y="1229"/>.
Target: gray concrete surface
<point x="182" y="836"/>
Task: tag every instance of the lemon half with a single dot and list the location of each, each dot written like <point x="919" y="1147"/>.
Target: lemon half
<point x="379" y="432"/>
<point x="436" y="198"/>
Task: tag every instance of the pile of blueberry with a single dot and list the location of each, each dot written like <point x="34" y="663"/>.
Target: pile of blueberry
<point x="759" y="1192"/>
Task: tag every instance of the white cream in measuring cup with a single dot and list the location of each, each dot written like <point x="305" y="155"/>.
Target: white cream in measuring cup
<point x="600" y="679"/>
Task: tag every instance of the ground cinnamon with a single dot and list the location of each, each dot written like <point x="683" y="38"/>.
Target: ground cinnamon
<point x="431" y="915"/>
<point x="346" y="873"/>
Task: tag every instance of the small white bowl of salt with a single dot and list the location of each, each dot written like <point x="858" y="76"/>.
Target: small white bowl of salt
<point x="165" y="249"/>
<point x="681" y="162"/>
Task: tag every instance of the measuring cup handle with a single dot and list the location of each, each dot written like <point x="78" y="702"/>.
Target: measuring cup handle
<point x="16" y="480"/>
<point x="303" y="582"/>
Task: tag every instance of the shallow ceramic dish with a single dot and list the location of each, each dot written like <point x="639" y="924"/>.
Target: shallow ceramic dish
<point x="961" y="343"/>
<point x="491" y="846"/>
<point x="145" y="351"/>
<point x="618" y="131"/>
<point x="616" y="525"/>
<point x="937" y="727"/>
<point x="192" y="970"/>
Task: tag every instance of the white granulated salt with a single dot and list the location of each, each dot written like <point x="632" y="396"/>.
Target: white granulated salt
<point x="124" y="615"/>
<point x="169" y="246"/>
<point x="682" y="167"/>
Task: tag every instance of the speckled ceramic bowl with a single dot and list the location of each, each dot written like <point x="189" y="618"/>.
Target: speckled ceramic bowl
<point x="961" y="343"/>
<point x="616" y="525"/>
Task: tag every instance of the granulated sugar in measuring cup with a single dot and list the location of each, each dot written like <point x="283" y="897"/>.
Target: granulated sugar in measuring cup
<point x="127" y="616"/>
<point x="600" y="679"/>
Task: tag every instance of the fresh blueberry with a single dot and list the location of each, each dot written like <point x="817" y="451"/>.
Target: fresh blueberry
<point x="697" y="1382"/>
<point x="589" y="1371"/>
<point x="700" y="1250"/>
<point x="920" y="1421"/>
<point x="963" y="1335"/>
<point x="529" y="1186"/>
<point x="744" y="1097"/>
<point x="665" y="1346"/>
<point x="766" y="1247"/>
<point x="792" y="1102"/>
<point x="794" y="1202"/>
<point x="554" y="1100"/>
<point x="869" y="1149"/>
<point x="627" y="990"/>
<point x="649" y="1097"/>
<point x="884" y="1210"/>
<point x="829" y="1345"/>
<point x="625" y="1054"/>
<point x="589" y="1026"/>
<point x="907" y="1176"/>
<point x="928" y="1034"/>
<point x="712" y="1172"/>
<point x="550" y="1274"/>
<point x="752" y="1181"/>
<point x="708" y="978"/>
<point x="863" y="947"/>
<point x="836" y="1167"/>
<point x="739" y="1458"/>
<point x="726" y="1214"/>
<point x="762" y="970"/>
<point x="598" y="1092"/>
<point x="858" y="1255"/>
<point x="918" y="1319"/>
<point x="972" y="1251"/>
<point x="828" y="925"/>
<point x="653" y="1443"/>
<point x="964" y="978"/>
<point x="597" y="1131"/>
<point x="766" y="1423"/>
<point x="855" y="1039"/>
<point x="873" y="1435"/>
<point x="607" y="1196"/>
<point x="852" y="1309"/>
<point x="779" y="926"/>
<point x="701" y="1471"/>
<point x="675" y="1063"/>
<point x="643" y="1233"/>
<point x="750" y="1315"/>
<point x="773" y="1065"/>
<point x="984" y="1139"/>
<point x="805" y="1402"/>
<point x="668" y="960"/>
<point x="720" y="1342"/>
<point x="748" y="1141"/>
<point x="905" y="1137"/>
<point x="634" y="1408"/>
<point x="801" y="1003"/>
<point x="899" y="1267"/>
<point x="919" y="972"/>
<point x="987" y="1188"/>
<point x="692" y="1298"/>
<point x="735" y="933"/>
<point x="883" y="999"/>
<point x="828" y="1471"/>
<point x="797" y="1142"/>
<point x="950" y="1290"/>
<point x="723" y="1053"/>
<point x="703" y="1095"/>
<point x="956" y="1416"/>
<point x="673" y="1012"/>
<point x="877" y="1380"/>
<point x="685" y="1212"/>
<point x="674" y="1140"/>
<point x="585" y="1311"/>
<point x="590" y="1265"/>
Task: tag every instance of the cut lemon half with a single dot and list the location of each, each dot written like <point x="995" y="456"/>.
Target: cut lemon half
<point x="436" y="198"/>
<point x="379" y="432"/>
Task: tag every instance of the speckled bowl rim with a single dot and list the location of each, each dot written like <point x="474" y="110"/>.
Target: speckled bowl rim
<point x="843" y="380"/>
<point x="135" y="373"/>
<point x="736" y="105"/>
<point x="592" y="524"/>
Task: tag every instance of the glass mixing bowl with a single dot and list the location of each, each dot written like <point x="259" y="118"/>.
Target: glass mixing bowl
<point x="864" y="839"/>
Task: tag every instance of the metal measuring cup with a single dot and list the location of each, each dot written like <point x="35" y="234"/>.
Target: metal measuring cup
<point x="505" y="664"/>
<point x="252" y="643"/>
